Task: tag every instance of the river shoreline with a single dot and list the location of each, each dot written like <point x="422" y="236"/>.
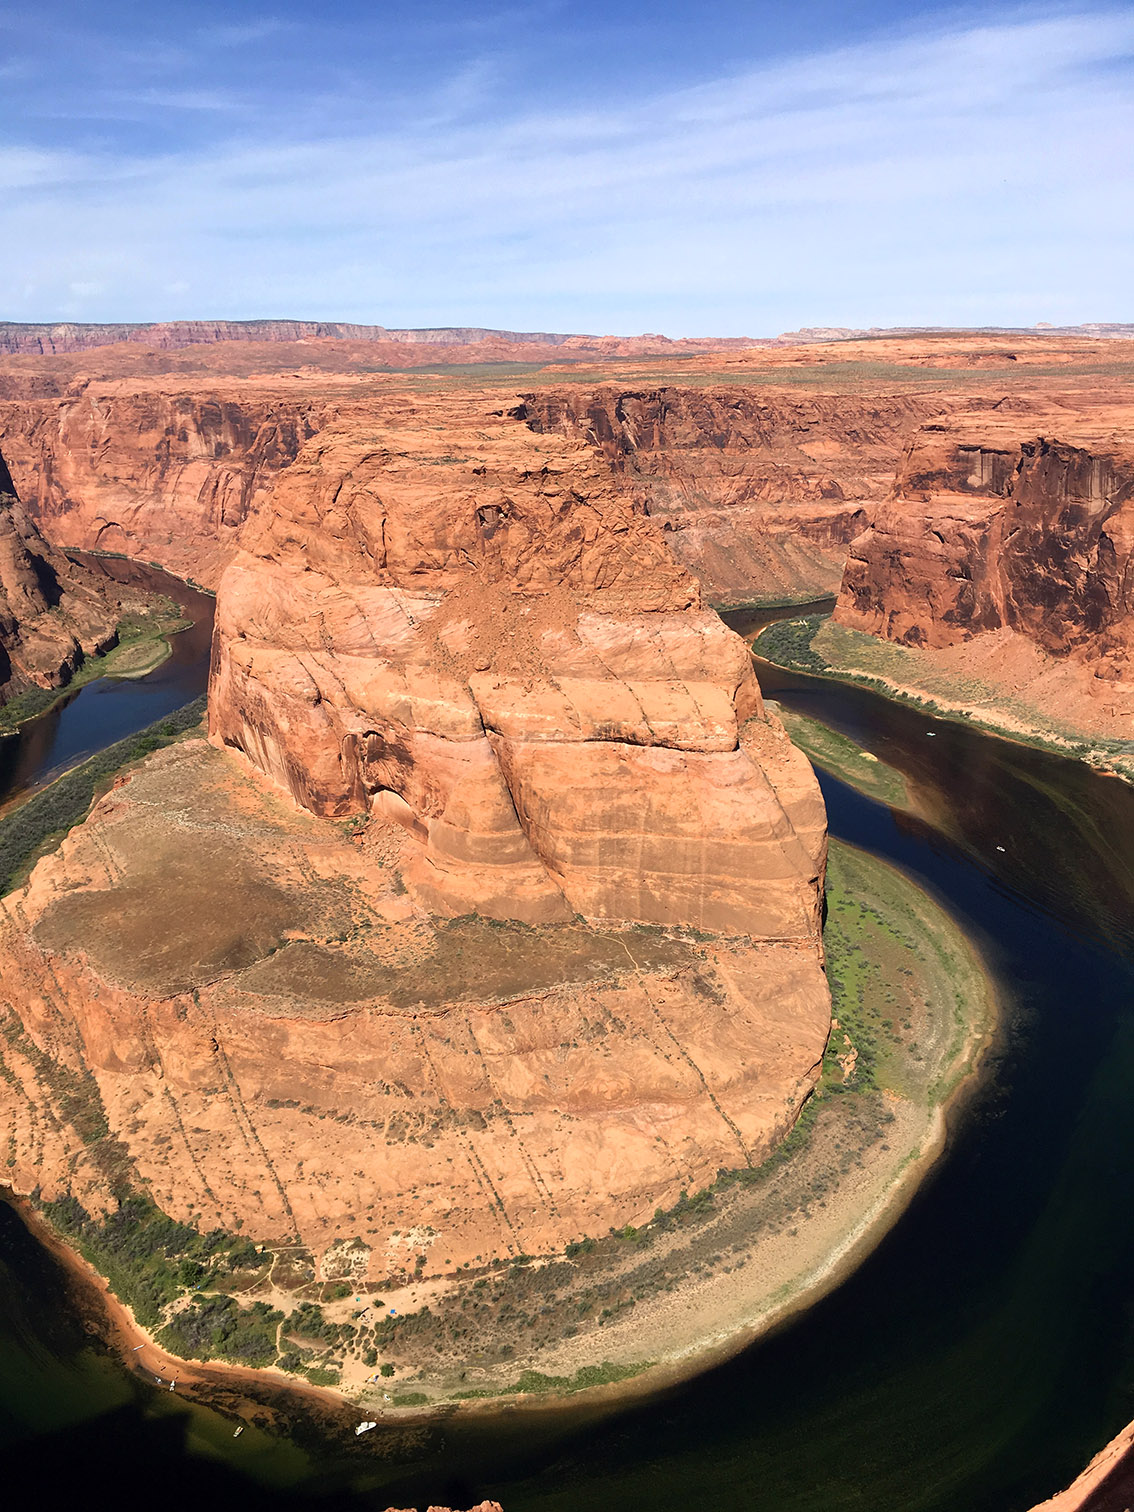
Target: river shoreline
<point x="704" y="1322"/>
<point x="990" y="718"/>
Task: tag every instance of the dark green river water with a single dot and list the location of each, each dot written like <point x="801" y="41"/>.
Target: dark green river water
<point x="974" y="1363"/>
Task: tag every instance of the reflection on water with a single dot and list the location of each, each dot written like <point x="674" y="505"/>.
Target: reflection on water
<point x="984" y="1352"/>
<point x="108" y="709"/>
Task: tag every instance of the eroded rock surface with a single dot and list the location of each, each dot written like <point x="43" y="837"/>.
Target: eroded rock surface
<point x="759" y="491"/>
<point x="469" y="628"/>
<point x="492" y="915"/>
<point x="279" y="1040"/>
<point x="167" y="476"/>
<point x="53" y="612"/>
<point x="1018" y="523"/>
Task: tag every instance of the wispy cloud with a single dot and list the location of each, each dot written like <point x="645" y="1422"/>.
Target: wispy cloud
<point x="242" y="34"/>
<point x="978" y="174"/>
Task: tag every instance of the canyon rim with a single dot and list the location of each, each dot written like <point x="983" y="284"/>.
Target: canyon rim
<point x="480" y="928"/>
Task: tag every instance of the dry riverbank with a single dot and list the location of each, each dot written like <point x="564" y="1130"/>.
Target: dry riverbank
<point x="623" y="1314"/>
<point x="956" y="685"/>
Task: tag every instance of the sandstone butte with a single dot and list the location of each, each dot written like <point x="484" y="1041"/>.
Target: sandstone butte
<point x="466" y="618"/>
<point x="464" y="632"/>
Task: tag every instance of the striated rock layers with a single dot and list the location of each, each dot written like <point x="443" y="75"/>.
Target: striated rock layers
<point x="1016" y="524"/>
<point x="539" y="946"/>
<point x="475" y="632"/>
<point x="758" y="491"/>
<point x="53" y="613"/>
<point x="165" y="476"/>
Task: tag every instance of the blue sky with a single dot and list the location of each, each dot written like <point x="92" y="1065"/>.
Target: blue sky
<point x="716" y="168"/>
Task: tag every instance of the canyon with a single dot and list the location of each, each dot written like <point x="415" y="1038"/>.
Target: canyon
<point x="1011" y="533"/>
<point x="484" y="919"/>
<point x="55" y="614"/>
<point x="462" y="640"/>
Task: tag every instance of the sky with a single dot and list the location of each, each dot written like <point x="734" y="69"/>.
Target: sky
<point x="692" y="167"/>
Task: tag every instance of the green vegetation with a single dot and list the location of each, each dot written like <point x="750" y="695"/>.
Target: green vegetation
<point x="820" y="647"/>
<point x="839" y="755"/>
<point x="142" y="644"/>
<point x="788" y="644"/>
<point x="218" y="1328"/>
<point x="48" y="814"/>
<point x="534" y="1382"/>
<point x="148" y="1259"/>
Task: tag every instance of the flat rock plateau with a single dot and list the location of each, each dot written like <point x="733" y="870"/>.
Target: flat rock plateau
<point x="487" y="917"/>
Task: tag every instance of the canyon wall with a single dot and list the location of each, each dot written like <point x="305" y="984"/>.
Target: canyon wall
<point x="759" y="491"/>
<point x="151" y="472"/>
<point x="54" y="614"/>
<point x="42" y="339"/>
<point x="1018" y="521"/>
<point x="490" y="919"/>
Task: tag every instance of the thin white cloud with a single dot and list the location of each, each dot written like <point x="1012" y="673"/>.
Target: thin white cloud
<point x="980" y="174"/>
<point x="241" y="34"/>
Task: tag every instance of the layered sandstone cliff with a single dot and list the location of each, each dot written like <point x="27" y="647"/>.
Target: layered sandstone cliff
<point x="53" y="613"/>
<point x="1009" y="526"/>
<point x="759" y="491"/>
<point x="165" y="475"/>
<point x="539" y="946"/>
<point x="502" y="671"/>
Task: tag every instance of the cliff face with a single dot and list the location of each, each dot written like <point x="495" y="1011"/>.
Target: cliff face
<point x="759" y="493"/>
<point x="61" y="338"/>
<point x="539" y="946"/>
<point x="54" y="340"/>
<point x="168" y="477"/>
<point x="473" y="629"/>
<point x="1018" y="522"/>
<point x="53" y="613"/>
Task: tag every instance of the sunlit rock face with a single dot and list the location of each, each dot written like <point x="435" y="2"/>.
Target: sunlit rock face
<point x="467" y="627"/>
<point x="1019" y="520"/>
<point x="491" y="912"/>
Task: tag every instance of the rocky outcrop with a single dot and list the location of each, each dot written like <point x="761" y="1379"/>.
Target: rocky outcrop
<point x="279" y="1041"/>
<point x="521" y="938"/>
<point x="1019" y="520"/>
<point x="759" y="491"/>
<point x="53" y="613"/>
<point x="168" y="476"/>
<point x="1106" y="1485"/>
<point x="471" y="629"/>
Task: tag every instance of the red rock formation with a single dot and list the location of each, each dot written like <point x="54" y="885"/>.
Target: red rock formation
<point x="1019" y="520"/>
<point x="465" y="634"/>
<point x="53" y="613"/>
<point x="165" y="476"/>
<point x="759" y="491"/>
<point x="471" y="627"/>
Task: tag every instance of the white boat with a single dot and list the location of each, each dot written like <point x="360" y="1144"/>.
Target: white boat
<point x="364" y="1428"/>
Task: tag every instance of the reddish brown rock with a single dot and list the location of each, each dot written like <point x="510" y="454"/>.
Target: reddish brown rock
<point x="168" y="477"/>
<point x="470" y="627"/>
<point x="282" y="1042"/>
<point x="466" y="635"/>
<point x="1020" y="522"/>
<point x="759" y="491"/>
<point x="54" y="614"/>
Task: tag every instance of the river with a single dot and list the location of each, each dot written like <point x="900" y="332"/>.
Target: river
<point x="975" y="1361"/>
<point x="109" y="708"/>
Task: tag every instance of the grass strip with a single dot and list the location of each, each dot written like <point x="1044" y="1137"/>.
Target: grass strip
<point x="49" y="814"/>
